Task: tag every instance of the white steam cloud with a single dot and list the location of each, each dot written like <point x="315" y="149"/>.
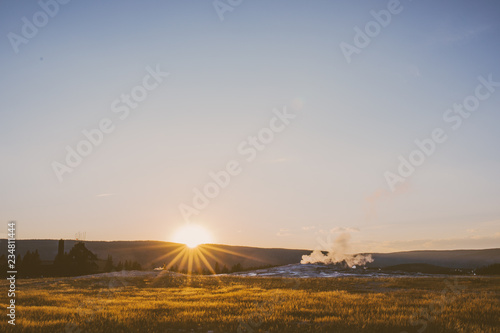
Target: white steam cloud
<point x="337" y="254"/>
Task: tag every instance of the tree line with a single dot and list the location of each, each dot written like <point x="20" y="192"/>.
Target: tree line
<point x="78" y="261"/>
<point x="493" y="269"/>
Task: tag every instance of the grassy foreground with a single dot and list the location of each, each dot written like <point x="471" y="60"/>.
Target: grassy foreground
<point x="172" y="303"/>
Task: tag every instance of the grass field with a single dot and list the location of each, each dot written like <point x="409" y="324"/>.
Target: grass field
<point x="174" y="303"/>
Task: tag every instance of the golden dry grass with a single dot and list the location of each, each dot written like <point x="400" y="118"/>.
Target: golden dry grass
<point x="248" y="304"/>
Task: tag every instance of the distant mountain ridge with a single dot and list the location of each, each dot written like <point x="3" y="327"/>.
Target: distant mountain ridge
<point x="444" y="258"/>
<point x="155" y="253"/>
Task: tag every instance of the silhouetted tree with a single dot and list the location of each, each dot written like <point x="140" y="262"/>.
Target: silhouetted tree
<point x="217" y="268"/>
<point x="119" y="267"/>
<point x="493" y="269"/>
<point x="82" y="261"/>
<point x="61" y="264"/>
<point x="224" y="270"/>
<point x="236" y="268"/>
<point x="31" y="264"/>
<point x="60" y="247"/>
<point x="19" y="260"/>
<point x="129" y="266"/>
<point x="3" y="265"/>
<point x="136" y="266"/>
<point x="108" y="267"/>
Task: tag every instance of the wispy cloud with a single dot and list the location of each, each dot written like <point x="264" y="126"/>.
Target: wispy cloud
<point x="283" y="233"/>
<point x="310" y="227"/>
<point x="343" y="229"/>
<point x="105" y="194"/>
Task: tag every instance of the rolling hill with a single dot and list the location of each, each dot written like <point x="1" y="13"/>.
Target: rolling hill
<point x="155" y="253"/>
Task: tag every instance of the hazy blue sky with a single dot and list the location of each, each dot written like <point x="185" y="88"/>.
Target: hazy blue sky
<point x="324" y="172"/>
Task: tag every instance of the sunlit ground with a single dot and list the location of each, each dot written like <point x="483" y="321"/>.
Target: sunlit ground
<point x="168" y="302"/>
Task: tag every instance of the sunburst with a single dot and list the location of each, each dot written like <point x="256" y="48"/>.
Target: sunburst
<point x="194" y="252"/>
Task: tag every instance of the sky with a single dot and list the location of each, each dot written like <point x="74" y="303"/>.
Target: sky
<point x="306" y="113"/>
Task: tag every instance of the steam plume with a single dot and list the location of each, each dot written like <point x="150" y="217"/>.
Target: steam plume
<point x="337" y="254"/>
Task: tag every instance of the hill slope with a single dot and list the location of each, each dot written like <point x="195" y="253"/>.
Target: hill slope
<point x="155" y="253"/>
<point x="451" y="258"/>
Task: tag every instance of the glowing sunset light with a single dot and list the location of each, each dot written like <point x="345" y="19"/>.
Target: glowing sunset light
<point x="192" y="235"/>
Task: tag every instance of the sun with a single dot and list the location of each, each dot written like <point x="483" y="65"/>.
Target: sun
<point x="192" y="235"/>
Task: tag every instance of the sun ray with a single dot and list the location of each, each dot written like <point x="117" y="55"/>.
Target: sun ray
<point x="184" y="261"/>
<point x="179" y="248"/>
<point x="190" y="262"/>
<point x="177" y="257"/>
<point x="207" y="264"/>
<point x="232" y="252"/>
<point x="211" y="255"/>
<point x="193" y="256"/>
<point x="196" y="258"/>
